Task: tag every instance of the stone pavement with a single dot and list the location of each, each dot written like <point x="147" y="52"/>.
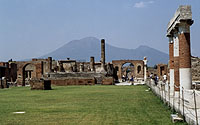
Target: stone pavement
<point x="127" y="83"/>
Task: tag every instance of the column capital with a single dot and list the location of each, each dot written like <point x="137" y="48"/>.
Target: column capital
<point x="184" y="27"/>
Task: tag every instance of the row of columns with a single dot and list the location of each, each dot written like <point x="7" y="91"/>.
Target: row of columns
<point x="180" y="56"/>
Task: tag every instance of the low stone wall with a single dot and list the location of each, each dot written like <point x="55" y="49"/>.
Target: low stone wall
<point x="84" y="75"/>
<point x="37" y="84"/>
<point x="73" y="81"/>
<point x="108" y="81"/>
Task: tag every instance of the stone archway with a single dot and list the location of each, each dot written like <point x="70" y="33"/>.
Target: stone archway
<point x="138" y="70"/>
<point x="28" y="72"/>
<point x="128" y="70"/>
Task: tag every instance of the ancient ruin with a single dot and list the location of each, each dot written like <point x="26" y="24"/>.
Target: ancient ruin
<point x="72" y="72"/>
<point x="136" y="69"/>
<point x="179" y="92"/>
<point x="178" y="33"/>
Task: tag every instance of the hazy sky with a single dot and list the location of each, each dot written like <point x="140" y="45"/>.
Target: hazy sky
<point x="32" y="28"/>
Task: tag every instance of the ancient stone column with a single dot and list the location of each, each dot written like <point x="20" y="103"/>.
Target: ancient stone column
<point x="81" y="67"/>
<point x="179" y="28"/>
<point x="145" y="68"/>
<point x="49" y="64"/>
<point x="102" y="55"/>
<point x="185" y="55"/>
<point x="92" y="64"/>
<point x="176" y="63"/>
<point x="60" y="67"/>
<point x="171" y="63"/>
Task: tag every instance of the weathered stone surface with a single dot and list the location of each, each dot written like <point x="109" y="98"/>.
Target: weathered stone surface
<point x="162" y="69"/>
<point x="108" y="81"/>
<point x="3" y="84"/>
<point x="117" y="64"/>
<point x="182" y="13"/>
<point x="37" y="84"/>
<point x="178" y="32"/>
<point x="73" y="81"/>
<point x="195" y="68"/>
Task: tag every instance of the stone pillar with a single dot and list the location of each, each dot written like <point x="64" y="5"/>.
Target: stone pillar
<point x="171" y="63"/>
<point x="179" y="28"/>
<point x="176" y="62"/>
<point x="60" y="68"/>
<point x="120" y="73"/>
<point x="102" y="55"/>
<point x="145" y="68"/>
<point x="49" y="64"/>
<point x="92" y="64"/>
<point x="81" y="67"/>
<point x="28" y="74"/>
<point x="185" y="55"/>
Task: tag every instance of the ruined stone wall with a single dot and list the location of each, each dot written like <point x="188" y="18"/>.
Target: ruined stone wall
<point x="37" y="84"/>
<point x="73" y="81"/>
<point x="117" y="64"/>
<point x="97" y="76"/>
<point x="161" y="70"/>
<point x="108" y="81"/>
<point x="97" y="67"/>
<point x="9" y="71"/>
<point x="40" y="66"/>
<point x="151" y="70"/>
<point x="195" y="68"/>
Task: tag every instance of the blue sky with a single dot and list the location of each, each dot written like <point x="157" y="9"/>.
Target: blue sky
<point x="32" y="28"/>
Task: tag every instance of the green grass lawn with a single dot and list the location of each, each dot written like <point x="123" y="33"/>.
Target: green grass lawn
<point x="83" y="105"/>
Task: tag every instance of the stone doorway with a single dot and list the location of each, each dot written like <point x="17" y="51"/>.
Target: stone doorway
<point x="127" y="71"/>
<point x="29" y="72"/>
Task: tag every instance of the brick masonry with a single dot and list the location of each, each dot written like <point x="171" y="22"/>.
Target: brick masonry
<point x="176" y="74"/>
<point x="184" y="50"/>
<point x="171" y="55"/>
<point x="73" y="81"/>
<point x="37" y="84"/>
<point x="108" y="81"/>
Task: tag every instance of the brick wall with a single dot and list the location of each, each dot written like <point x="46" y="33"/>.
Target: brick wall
<point x="73" y="81"/>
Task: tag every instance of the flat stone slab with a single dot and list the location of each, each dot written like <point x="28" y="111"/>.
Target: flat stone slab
<point x="123" y="84"/>
<point x="175" y="118"/>
<point x="19" y="112"/>
<point x="128" y="84"/>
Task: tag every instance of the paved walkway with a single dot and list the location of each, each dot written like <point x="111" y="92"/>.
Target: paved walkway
<point x="126" y="84"/>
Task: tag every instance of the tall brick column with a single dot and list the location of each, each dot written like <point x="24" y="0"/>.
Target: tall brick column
<point x="185" y="54"/>
<point x="179" y="28"/>
<point x="102" y="55"/>
<point x="92" y="64"/>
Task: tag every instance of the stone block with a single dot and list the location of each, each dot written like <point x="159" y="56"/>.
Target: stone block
<point x="3" y="84"/>
<point x="37" y="84"/>
<point x="108" y="81"/>
<point x="73" y="81"/>
<point x="175" y="118"/>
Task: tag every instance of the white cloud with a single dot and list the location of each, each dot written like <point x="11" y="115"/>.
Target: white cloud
<point x="143" y="4"/>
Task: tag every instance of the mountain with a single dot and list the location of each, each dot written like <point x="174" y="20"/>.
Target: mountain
<point x="84" y="48"/>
